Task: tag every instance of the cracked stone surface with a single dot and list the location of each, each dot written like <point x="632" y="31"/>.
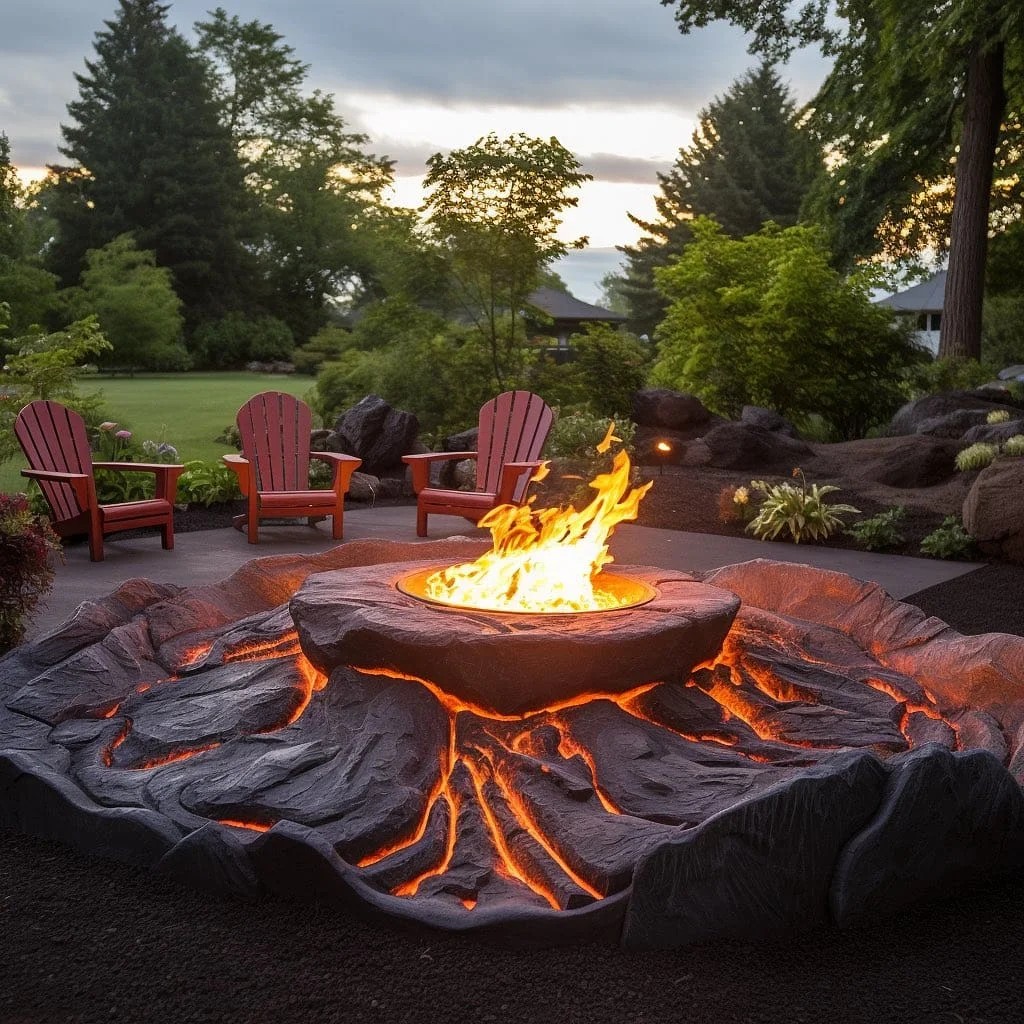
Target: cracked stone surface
<point x="770" y="747"/>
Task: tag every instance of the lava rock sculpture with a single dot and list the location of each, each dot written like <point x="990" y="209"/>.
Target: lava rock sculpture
<point x="835" y="755"/>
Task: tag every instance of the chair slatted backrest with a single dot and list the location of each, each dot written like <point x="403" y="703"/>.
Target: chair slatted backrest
<point x="53" y="438"/>
<point x="513" y="428"/>
<point x="274" y="429"/>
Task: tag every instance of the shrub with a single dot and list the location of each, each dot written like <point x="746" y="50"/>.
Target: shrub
<point x="576" y="435"/>
<point x="950" y="540"/>
<point x="325" y="346"/>
<point x="935" y="375"/>
<point x="799" y="511"/>
<point x="998" y="416"/>
<point x="26" y="543"/>
<point x="976" y="456"/>
<point x="236" y="339"/>
<point x="1014" y="445"/>
<point x="207" y="483"/>
<point x="881" y="532"/>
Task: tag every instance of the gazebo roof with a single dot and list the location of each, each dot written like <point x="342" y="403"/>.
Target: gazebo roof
<point x="925" y="297"/>
<point x="563" y="306"/>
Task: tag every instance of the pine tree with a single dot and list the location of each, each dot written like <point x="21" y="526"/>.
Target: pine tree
<point x="748" y="163"/>
<point x="151" y="159"/>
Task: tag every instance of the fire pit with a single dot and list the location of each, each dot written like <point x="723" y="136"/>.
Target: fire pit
<point x="769" y="747"/>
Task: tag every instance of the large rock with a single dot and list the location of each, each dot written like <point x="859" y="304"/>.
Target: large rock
<point x="376" y="433"/>
<point x="769" y="419"/>
<point x="738" y="446"/>
<point x="671" y="410"/>
<point x="994" y="509"/>
<point x="995" y="432"/>
<point x="953" y="424"/>
<point x="910" y="417"/>
<point x="910" y="461"/>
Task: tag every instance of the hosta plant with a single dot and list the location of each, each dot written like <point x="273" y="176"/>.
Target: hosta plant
<point x="976" y="456"/>
<point x="881" y="532"/>
<point x="950" y="540"/>
<point x="799" y="511"/>
<point x="207" y="483"/>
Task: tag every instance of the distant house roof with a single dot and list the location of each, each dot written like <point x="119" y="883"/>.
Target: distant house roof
<point x="563" y="306"/>
<point x="925" y="297"/>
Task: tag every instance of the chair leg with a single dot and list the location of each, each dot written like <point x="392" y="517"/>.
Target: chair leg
<point x="337" y="526"/>
<point x="254" y="529"/>
<point x="95" y="546"/>
<point x="167" y="537"/>
<point x="421" y="522"/>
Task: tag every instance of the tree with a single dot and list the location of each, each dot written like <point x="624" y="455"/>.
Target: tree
<point x="766" y="320"/>
<point x="311" y="189"/>
<point x="494" y="209"/>
<point x="909" y="80"/>
<point x="135" y="304"/>
<point x="748" y="162"/>
<point x="27" y="289"/>
<point x="150" y="157"/>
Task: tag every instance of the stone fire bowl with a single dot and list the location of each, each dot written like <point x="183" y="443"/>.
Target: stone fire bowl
<point x="841" y="755"/>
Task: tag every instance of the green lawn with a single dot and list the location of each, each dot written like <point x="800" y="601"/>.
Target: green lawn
<point x="186" y="409"/>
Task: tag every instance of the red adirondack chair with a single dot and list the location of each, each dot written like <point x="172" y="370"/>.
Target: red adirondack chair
<point x="513" y="429"/>
<point x="273" y="469"/>
<point x="55" y="442"/>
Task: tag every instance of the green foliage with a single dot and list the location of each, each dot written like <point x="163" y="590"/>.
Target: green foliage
<point x="933" y="376"/>
<point x="577" y="433"/>
<point x="235" y="339"/>
<point x="950" y="540"/>
<point x="494" y="210"/>
<point x="45" y="366"/>
<point x="765" y="320"/>
<point x="610" y="367"/>
<point x="326" y="345"/>
<point x="26" y="544"/>
<point x="882" y="532"/>
<point x="207" y="483"/>
<point x="748" y="162"/>
<point x="136" y="305"/>
<point x="1014" y="446"/>
<point x="998" y="416"/>
<point x="976" y="456"/>
<point x="800" y="511"/>
<point x="150" y="157"/>
<point x="1002" y="330"/>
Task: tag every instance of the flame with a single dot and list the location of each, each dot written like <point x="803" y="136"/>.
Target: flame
<point x="546" y="560"/>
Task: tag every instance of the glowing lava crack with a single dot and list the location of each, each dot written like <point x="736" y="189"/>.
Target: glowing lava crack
<point x="655" y="776"/>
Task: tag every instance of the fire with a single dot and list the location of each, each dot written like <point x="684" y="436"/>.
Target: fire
<point x="547" y="560"/>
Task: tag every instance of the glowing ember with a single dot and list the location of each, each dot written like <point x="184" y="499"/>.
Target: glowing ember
<point x="547" y="560"/>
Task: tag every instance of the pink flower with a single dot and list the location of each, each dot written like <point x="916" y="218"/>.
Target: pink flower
<point x="108" y="425"/>
<point x="123" y="435"/>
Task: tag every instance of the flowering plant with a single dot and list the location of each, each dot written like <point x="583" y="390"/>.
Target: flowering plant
<point x="799" y="511"/>
<point x="26" y="542"/>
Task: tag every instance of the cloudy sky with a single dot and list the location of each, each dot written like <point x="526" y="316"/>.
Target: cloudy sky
<point x="612" y="79"/>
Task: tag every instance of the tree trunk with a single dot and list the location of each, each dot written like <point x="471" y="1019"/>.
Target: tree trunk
<point x="968" y="235"/>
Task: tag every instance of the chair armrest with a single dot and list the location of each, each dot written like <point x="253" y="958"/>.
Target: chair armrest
<point x="420" y="465"/>
<point x="78" y="481"/>
<point x="344" y="467"/>
<point x="166" y="475"/>
<point x="241" y="467"/>
<point x="511" y="472"/>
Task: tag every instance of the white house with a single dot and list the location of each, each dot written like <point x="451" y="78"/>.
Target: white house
<point x="923" y="301"/>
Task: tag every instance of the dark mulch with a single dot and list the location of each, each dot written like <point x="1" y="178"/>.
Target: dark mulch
<point x="85" y="940"/>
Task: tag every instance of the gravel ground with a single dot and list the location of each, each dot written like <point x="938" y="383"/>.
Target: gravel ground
<point x="85" y="940"/>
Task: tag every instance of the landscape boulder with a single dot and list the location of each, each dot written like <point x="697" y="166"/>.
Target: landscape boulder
<point x="995" y="433"/>
<point x="911" y="461"/>
<point x="376" y="433"/>
<point x="993" y="510"/>
<point x="953" y="424"/>
<point x="910" y="417"/>
<point x="738" y="446"/>
<point x="677" y="411"/>
<point x="769" y="419"/>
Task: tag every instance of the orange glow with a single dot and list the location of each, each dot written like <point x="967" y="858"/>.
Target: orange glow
<point x="664" y="447"/>
<point x="546" y="560"/>
<point x="252" y="826"/>
<point x="259" y="650"/>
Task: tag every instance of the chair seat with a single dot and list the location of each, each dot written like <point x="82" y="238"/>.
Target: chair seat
<point x="153" y="508"/>
<point x="297" y="499"/>
<point x="438" y="498"/>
